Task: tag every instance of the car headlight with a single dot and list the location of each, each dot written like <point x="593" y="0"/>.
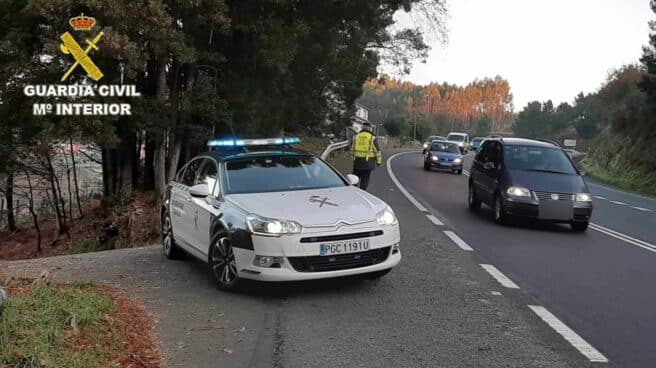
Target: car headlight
<point x="434" y="158"/>
<point x="425" y="145"/>
<point x="271" y="227"/>
<point x="457" y="161"/>
<point x="461" y="144"/>
<point x="518" y="192"/>
<point x="386" y="217"/>
<point x="583" y="197"/>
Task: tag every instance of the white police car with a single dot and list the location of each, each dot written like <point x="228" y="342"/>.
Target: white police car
<point x="258" y="209"/>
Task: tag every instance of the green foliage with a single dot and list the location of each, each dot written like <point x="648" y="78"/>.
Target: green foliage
<point x="34" y="328"/>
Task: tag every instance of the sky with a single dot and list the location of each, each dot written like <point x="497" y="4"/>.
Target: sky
<point x="545" y="49"/>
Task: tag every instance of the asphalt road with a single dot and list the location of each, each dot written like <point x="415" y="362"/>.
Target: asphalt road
<point x="439" y="308"/>
<point x="599" y="283"/>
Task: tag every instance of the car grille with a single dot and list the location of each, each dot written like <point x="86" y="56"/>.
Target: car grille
<point x="339" y="262"/>
<point x="365" y="234"/>
<point x="547" y="196"/>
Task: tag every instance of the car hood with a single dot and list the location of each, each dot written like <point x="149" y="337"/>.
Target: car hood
<point x="547" y="182"/>
<point x="457" y="142"/>
<point x="313" y="207"/>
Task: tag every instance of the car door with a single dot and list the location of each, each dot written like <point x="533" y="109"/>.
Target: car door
<point x="483" y="175"/>
<point x="204" y="208"/>
<point x="181" y="202"/>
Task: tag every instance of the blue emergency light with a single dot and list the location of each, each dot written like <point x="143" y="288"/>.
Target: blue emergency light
<point x="253" y="142"/>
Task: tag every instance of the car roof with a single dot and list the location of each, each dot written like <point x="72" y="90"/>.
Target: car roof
<point x="523" y="142"/>
<point x="458" y="133"/>
<point x="259" y="151"/>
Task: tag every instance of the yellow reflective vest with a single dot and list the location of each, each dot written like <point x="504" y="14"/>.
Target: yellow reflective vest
<point x="364" y="147"/>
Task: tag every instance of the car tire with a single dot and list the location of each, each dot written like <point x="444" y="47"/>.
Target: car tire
<point x="459" y="171"/>
<point x="579" y="226"/>
<point x="222" y="263"/>
<point x="427" y="166"/>
<point x="376" y="274"/>
<point x="472" y="200"/>
<point x="499" y="214"/>
<point x="169" y="247"/>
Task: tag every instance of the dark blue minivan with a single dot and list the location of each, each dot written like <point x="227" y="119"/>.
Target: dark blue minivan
<point x="529" y="178"/>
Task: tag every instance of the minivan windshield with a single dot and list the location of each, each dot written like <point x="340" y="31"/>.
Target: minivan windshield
<point x="278" y="173"/>
<point x="543" y="159"/>
<point x="455" y="137"/>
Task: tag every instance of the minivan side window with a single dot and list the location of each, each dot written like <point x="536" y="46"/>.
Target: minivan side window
<point x="484" y="152"/>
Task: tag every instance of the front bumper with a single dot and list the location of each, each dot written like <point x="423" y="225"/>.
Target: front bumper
<point x="300" y="258"/>
<point x="445" y="165"/>
<point x="530" y="208"/>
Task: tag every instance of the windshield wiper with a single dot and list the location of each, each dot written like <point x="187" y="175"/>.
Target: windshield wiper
<point x="548" y="171"/>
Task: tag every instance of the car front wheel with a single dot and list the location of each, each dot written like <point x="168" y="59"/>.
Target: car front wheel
<point x="427" y="166"/>
<point x="171" y="250"/>
<point x="223" y="265"/>
<point x="499" y="212"/>
<point x="473" y="201"/>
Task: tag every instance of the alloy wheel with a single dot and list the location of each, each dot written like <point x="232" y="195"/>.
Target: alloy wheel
<point x="223" y="265"/>
<point x="166" y="235"/>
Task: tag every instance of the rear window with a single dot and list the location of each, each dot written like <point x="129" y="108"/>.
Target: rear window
<point x="456" y="137"/>
<point x="277" y="174"/>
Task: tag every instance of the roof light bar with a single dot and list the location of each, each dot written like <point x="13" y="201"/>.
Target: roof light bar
<point x="253" y="142"/>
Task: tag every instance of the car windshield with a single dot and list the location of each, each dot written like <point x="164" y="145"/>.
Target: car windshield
<point x="456" y="137"/>
<point x="433" y="138"/>
<point x="538" y="159"/>
<point x="277" y="174"/>
<point x="477" y="140"/>
<point x="445" y="147"/>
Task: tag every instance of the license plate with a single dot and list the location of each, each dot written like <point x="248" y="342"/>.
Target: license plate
<point x="446" y="163"/>
<point x="345" y="247"/>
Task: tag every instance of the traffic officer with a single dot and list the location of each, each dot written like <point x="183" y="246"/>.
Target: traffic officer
<point x="366" y="154"/>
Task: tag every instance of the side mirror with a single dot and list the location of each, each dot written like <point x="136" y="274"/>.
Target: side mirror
<point x="488" y="165"/>
<point x="199" y="191"/>
<point x="353" y="179"/>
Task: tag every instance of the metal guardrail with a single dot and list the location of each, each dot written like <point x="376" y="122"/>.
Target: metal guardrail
<point x="333" y="147"/>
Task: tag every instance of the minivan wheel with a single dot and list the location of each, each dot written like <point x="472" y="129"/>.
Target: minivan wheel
<point x="170" y="249"/>
<point x="473" y="202"/>
<point x="579" y="226"/>
<point x="499" y="213"/>
<point x="222" y="263"/>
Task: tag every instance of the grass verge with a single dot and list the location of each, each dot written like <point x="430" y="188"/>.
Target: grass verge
<point x="74" y="325"/>
<point x="625" y="179"/>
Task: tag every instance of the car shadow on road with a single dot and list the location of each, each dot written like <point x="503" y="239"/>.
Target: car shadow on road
<point x="198" y="270"/>
<point x="485" y="215"/>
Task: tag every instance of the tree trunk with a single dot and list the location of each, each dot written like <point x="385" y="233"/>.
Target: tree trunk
<point x="75" y="182"/>
<point x="9" y="195"/>
<point x="30" y="201"/>
<point x="159" y="161"/>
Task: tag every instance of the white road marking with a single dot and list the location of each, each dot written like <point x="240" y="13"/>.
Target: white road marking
<point x="459" y="242"/>
<point x="412" y="199"/>
<point x="618" y="202"/>
<point x="641" y="209"/>
<point x="499" y="276"/>
<point x="572" y="337"/>
<point x="628" y="239"/>
<point x="465" y="172"/>
<point x="435" y="220"/>
<point x="599" y="197"/>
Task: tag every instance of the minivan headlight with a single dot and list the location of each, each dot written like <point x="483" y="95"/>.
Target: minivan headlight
<point x="457" y="161"/>
<point x="386" y="217"/>
<point x="583" y="197"/>
<point x="425" y="145"/>
<point x="271" y="227"/>
<point x="518" y="192"/>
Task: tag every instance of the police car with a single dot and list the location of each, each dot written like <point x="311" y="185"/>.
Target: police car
<point x="259" y="209"/>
